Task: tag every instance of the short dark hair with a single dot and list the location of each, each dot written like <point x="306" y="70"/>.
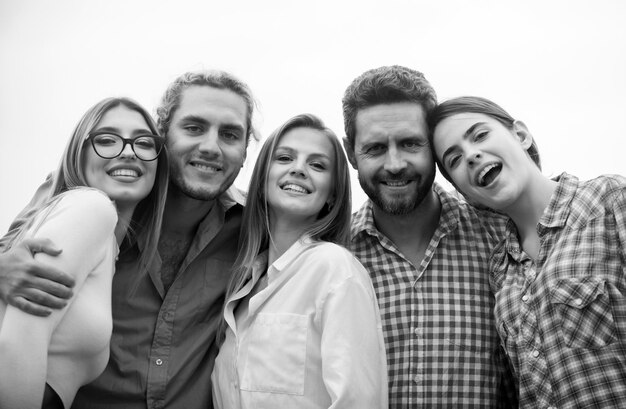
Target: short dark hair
<point x="476" y="105"/>
<point x="385" y="85"/>
<point x="211" y="78"/>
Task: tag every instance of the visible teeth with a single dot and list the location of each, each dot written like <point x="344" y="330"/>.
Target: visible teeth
<point x="483" y="173"/>
<point x="295" y="188"/>
<point x="124" y="172"/>
<point x="396" y="183"/>
<point x="205" y="167"/>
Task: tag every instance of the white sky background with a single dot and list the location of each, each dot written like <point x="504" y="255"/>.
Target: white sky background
<point x="560" y="66"/>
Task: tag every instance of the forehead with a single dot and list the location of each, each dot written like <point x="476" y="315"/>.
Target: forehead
<point x="391" y="120"/>
<point x="306" y="140"/>
<point x="213" y="104"/>
<point x="122" y="116"/>
<point x="457" y="124"/>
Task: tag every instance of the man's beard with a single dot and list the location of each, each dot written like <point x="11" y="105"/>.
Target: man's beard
<point x="401" y="205"/>
<point x="203" y="192"/>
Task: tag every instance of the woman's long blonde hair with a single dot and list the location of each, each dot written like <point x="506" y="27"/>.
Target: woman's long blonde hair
<point x="70" y="174"/>
<point x="332" y="224"/>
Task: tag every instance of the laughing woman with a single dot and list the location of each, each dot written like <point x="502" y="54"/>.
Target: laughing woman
<point x="301" y="321"/>
<point x="559" y="275"/>
<point x="109" y="188"/>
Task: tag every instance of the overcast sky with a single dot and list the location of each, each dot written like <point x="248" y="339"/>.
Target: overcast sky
<point x="560" y="66"/>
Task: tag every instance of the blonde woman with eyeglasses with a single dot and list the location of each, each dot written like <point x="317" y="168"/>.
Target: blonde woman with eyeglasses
<point x="108" y="195"/>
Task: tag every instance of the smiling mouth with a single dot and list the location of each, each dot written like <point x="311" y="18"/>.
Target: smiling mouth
<point x="488" y="174"/>
<point x="125" y="172"/>
<point x="294" y="188"/>
<point x="205" y="168"/>
<point x="395" y="183"/>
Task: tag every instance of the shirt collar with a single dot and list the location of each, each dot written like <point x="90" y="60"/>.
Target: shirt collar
<point x="233" y="196"/>
<point x="363" y="219"/>
<point x="229" y="199"/>
<point x="289" y="256"/>
<point x="559" y="208"/>
<point x="555" y="214"/>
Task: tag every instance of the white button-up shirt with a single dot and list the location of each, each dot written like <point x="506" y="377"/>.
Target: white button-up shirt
<point x="306" y="335"/>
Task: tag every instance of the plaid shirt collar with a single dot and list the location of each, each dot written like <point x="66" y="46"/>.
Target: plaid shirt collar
<point x="363" y="219"/>
<point x="555" y="215"/>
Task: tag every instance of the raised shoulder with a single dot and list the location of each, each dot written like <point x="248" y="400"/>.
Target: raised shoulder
<point x="608" y="185"/>
<point x="88" y="202"/>
<point x="81" y="210"/>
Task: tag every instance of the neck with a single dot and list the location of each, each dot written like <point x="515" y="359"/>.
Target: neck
<point x="183" y="214"/>
<point x="124" y="216"/>
<point x="414" y="228"/>
<point x="528" y="209"/>
<point x="282" y="236"/>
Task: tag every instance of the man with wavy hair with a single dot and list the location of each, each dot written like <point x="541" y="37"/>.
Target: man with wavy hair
<point x="165" y="315"/>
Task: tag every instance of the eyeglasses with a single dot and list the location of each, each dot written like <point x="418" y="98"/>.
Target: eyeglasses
<point x="109" y="145"/>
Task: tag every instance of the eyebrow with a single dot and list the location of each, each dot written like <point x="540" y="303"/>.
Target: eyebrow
<point x="467" y="133"/>
<point x="194" y="118"/>
<point x="115" y="130"/>
<point x="201" y="120"/>
<point x="291" y="150"/>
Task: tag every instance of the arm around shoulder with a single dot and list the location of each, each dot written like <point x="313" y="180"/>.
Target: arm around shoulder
<point x="82" y="222"/>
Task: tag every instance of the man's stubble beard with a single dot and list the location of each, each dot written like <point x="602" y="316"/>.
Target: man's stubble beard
<point x="400" y="206"/>
<point x="177" y="181"/>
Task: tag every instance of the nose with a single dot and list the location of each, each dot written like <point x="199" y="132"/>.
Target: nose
<point x="297" y="169"/>
<point x="128" y="152"/>
<point x="473" y="158"/>
<point x="394" y="162"/>
<point x="209" y="143"/>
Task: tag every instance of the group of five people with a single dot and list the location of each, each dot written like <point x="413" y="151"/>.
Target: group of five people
<point x="167" y="292"/>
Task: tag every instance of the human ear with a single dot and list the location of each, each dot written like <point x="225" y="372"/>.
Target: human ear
<point x="347" y="146"/>
<point x="523" y="134"/>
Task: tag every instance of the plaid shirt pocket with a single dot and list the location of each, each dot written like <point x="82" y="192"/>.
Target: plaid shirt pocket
<point x="583" y="310"/>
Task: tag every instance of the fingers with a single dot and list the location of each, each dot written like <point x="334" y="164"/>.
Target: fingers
<point x="41" y="245"/>
<point x="44" y="298"/>
<point x="53" y="278"/>
<point x="30" y="308"/>
<point x="48" y="293"/>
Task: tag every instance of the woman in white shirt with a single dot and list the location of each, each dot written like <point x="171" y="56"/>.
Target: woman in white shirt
<point x="301" y="326"/>
<point x="109" y="188"/>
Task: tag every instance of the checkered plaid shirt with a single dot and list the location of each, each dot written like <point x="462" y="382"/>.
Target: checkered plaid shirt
<point x="442" y="345"/>
<point x="562" y="319"/>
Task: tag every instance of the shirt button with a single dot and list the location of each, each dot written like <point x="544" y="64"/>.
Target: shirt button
<point x="159" y="362"/>
<point x="535" y="353"/>
<point x="578" y="301"/>
<point x="417" y="332"/>
<point x="525" y="298"/>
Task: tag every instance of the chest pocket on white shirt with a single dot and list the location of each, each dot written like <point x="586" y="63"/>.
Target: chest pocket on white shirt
<point x="276" y="354"/>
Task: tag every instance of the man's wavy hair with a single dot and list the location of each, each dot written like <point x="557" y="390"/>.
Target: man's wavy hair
<point x="385" y="85"/>
<point x="212" y="78"/>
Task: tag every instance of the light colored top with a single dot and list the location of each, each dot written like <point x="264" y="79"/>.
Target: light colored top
<point x="306" y="335"/>
<point x="562" y="317"/>
<point x="162" y="347"/>
<point x="70" y="347"/>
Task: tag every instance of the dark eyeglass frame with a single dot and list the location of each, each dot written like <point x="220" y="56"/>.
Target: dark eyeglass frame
<point x="159" y="142"/>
